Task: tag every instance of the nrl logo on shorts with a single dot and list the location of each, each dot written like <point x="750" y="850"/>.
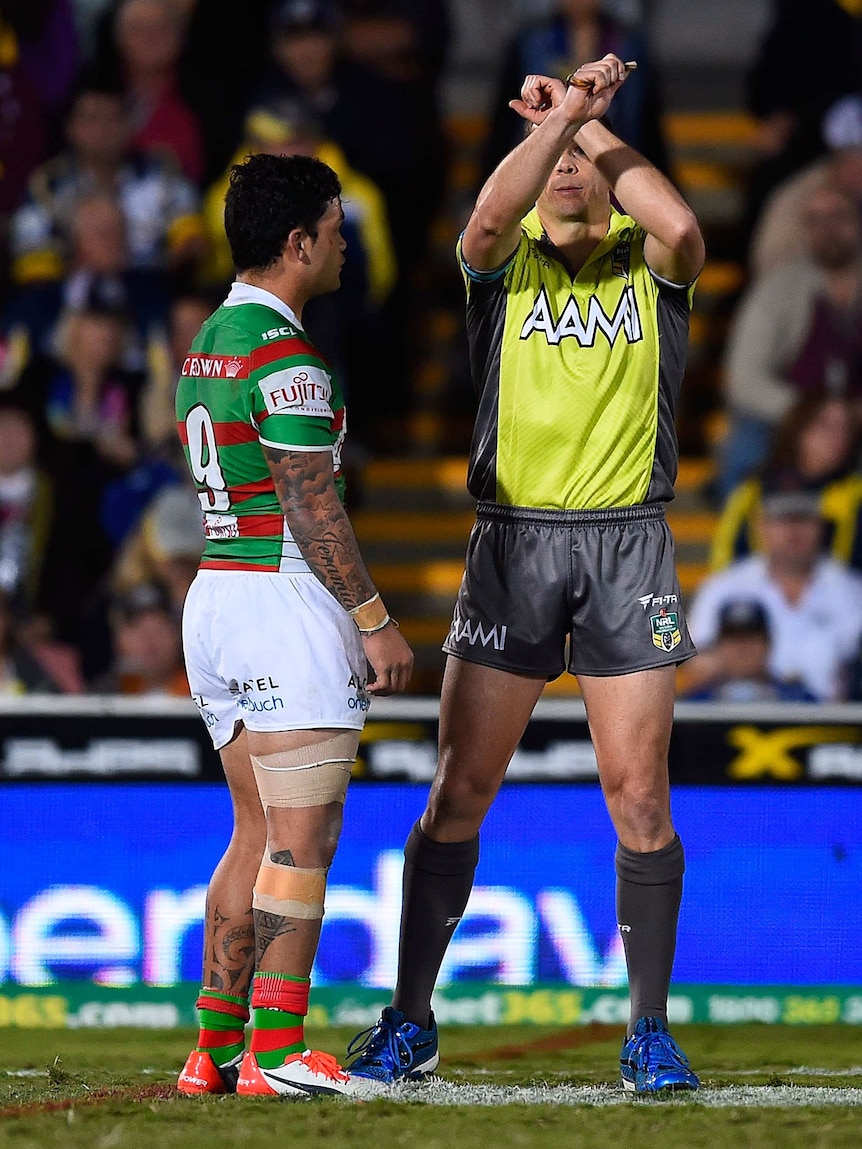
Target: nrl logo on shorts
<point x="665" y="630"/>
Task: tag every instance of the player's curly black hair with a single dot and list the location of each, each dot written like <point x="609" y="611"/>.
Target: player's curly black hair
<point x="268" y="197"/>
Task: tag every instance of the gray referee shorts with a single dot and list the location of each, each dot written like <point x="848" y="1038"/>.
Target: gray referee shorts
<point x="602" y="582"/>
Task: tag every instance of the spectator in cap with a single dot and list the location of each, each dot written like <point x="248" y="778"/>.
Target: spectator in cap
<point x="816" y="448"/>
<point x="147" y="646"/>
<point x="305" y="60"/>
<point x="739" y="660"/>
<point x="813" y="603"/>
<point x="779" y="235"/>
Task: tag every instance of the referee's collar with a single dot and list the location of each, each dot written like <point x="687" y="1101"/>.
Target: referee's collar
<point x="533" y="227"/>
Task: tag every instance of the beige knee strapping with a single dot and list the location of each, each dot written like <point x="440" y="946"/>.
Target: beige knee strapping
<point x="311" y="775"/>
<point x="289" y="891"/>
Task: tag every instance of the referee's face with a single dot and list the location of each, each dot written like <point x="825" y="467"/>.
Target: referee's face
<point x="574" y="189"/>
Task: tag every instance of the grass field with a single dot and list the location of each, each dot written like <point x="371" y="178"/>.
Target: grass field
<point x="764" y="1086"/>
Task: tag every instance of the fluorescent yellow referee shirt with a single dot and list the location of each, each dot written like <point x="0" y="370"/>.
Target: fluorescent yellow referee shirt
<point x="578" y="378"/>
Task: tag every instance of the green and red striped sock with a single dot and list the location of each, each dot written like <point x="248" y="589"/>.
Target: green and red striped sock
<point x="222" y="1018"/>
<point x="280" y="1003"/>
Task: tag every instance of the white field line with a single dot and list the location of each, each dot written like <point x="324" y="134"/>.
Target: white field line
<point x="812" y="1071"/>
<point x="438" y="1092"/>
<point x="796" y="1071"/>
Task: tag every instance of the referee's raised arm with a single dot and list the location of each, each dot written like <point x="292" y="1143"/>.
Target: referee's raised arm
<point x="559" y="112"/>
<point x="674" y="247"/>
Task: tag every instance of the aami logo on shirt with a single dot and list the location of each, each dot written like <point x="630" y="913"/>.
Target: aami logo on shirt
<point x="216" y="366"/>
<point x="297" y="391"/>
<point x="625" y="318"/>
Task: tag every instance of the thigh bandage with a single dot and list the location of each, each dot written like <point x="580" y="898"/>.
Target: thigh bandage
<point x="289" y="891"/>
<point x="312" y="775"/>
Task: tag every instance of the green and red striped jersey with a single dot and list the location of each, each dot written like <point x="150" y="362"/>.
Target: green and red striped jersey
<point x="253" y="377"/>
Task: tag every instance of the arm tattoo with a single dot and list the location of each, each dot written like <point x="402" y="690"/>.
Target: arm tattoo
<point x="318" y="522"/>
<point x="282" y="858"/>
<point x="268" y="927"/>
<point x="229" y="958"/>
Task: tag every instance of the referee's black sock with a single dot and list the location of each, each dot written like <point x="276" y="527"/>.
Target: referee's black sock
<point x="649" y="890"/>
<point x="438" y="878"/>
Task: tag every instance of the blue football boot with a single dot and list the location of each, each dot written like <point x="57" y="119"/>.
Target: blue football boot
<point x="393" y="1050"/>
<point x="652" y="1061"/>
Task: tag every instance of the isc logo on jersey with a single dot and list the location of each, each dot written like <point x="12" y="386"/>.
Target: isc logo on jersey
<point x="625" y="318"/>
<point x="298" y="391"/>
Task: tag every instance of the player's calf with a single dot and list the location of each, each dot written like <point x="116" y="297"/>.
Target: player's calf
<point x="288" y="903"/>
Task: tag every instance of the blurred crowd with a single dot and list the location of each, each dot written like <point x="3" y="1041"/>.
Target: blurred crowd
<point x="119" y="120"/>
<point x="780" y="616"/>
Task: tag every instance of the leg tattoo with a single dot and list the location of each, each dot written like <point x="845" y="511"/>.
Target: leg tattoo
<point x="268" y="927"/>
<point x="229" y="962"/>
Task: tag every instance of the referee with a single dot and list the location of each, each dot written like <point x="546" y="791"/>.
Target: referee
<point x="577" y="321"/>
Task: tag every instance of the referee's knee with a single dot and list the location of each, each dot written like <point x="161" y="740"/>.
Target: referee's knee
<point x="641" y="819"/>
<point x="456" y="810"/>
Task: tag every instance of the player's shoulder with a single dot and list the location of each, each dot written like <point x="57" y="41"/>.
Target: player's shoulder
<point x="256" y="330"/>
<point x="222" y="349"/>
<point x="283" y="345"/>
<point x="224" y="330"/>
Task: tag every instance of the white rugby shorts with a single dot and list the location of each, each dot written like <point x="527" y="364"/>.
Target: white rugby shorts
<point x="273" y="651"/>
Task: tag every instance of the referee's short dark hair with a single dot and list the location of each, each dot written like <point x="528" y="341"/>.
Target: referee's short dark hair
<point x="267" y="198"/>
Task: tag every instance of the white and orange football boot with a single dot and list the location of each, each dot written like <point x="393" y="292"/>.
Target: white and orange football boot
<point x="299" y="1075"/>
<point x="201" y="1075"/>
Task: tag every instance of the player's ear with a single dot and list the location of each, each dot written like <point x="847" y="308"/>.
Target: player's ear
<point x="297" y="246"/>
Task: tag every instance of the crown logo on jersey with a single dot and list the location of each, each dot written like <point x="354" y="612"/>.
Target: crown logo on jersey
<point x="232" y="368"/>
